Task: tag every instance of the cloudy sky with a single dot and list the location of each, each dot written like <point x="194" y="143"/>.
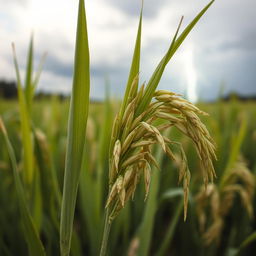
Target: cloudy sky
<point x="220" y="50"/>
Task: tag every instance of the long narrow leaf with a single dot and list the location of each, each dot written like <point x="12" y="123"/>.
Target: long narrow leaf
<point x="38" y="73"/>
<point x="76" y="130"/>
<point x="170" y="229"/>
<point x="147" y="225"/>
<point x="235" y="150"/>
<point x="155" y="79"/>
<point x="248" y="240"/>
<point x="135" y="66"/>
<point x="31" y="235"/>
<point x="25" y="127"/>
<point x="89" y="215"/>
<point x="29" y="78"/>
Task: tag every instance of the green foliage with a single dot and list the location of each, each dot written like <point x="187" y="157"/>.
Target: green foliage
<point x="165" y="216"/>
<point x="31" y="234"/>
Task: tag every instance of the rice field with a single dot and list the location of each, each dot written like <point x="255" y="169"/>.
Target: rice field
<point x="151" y="174"/>
<point x="157" y="224"/>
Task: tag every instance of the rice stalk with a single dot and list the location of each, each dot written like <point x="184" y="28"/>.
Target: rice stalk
<point x="134" y="132"/>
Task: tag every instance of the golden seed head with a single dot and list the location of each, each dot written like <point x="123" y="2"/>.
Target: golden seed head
<point x="237" y="180"/>
<point x="133" y="137"/>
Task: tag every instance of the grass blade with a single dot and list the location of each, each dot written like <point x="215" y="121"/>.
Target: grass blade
<point x="29" y="78"/>
<point x="135" y="66"/>
<point x="134" y="71"/>
<point x="25" y="127"/>
<point x="171" y="229"/>
<point x="38" y="73"/>
<point x="235" y="150"/>
<point x="155" y="79"/>
<point x="251" y="238"/>
<point x="87" y="204"/>
<point x="76" y="130"/>
<point x="187" y="30"/>
<point x="147" y="225"/>
<point x="34" y="243"/>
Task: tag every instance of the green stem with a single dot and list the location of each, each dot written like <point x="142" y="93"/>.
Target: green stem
<point x="171" y="229"/>
<point x="107" y="226"/>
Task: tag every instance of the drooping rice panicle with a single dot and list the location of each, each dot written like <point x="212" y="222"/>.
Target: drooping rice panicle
<point x="133" y="155"/>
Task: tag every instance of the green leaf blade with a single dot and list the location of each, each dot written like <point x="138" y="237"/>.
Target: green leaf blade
<point x="25" y="127"/>
<point x="135" y="66"/>
<point x="157" y="75"/>
<point x="76" y="130"/>
<point x="30" y="232"/>
<point x="29" y="78"/>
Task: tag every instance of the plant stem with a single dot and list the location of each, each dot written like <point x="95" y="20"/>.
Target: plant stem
<point x="107" y="226"/>
<point x="171" y="229"/>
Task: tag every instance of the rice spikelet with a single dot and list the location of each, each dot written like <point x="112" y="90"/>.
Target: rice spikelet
<point x="239" y="182"/>
<point x="133" y="137"/>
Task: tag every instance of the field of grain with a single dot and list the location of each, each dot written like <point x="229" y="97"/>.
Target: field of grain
<point x="156" y="225"/>
<point x="150" y="174"/>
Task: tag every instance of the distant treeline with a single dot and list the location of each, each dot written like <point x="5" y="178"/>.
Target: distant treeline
<point x="234" y="95"/>
<point x="8" y="90"/>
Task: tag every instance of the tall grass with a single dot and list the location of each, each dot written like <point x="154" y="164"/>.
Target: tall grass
<point x="127" y="229"/>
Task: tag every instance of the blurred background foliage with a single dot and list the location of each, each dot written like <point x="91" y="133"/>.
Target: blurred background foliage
<point x="221" y="221"/>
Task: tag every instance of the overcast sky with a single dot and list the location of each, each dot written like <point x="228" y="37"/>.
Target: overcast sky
<point x="220" y="50"/>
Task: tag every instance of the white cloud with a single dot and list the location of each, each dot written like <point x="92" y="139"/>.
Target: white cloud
<point x="218" y="38"/>
<point x="53" y="83"/>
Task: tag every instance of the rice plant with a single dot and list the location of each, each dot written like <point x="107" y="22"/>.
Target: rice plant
<point x="134" y="133"/>
<point x="99" y="158"/>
